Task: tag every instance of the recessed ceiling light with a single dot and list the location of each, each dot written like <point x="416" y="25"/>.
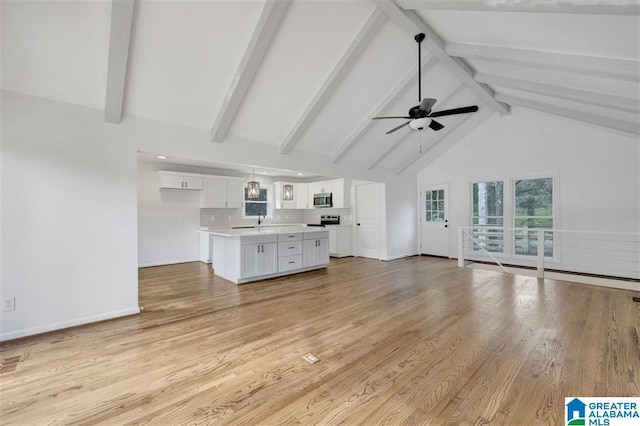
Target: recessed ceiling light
<point x="162" y="157"/>
<point x="265" y="173"/>
<point x="299" y="174"/>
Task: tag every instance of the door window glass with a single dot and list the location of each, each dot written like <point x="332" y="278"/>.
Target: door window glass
<point x="434" y="210"/>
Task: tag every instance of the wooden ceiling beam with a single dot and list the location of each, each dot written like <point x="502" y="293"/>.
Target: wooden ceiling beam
<point x="583" y="96"/>
<point x="119" y="42"/>
<point x="413" y="24"/>
<point x="392" y="97"/>
<point x="624" y="7"/>
<point x="587" y="117"/>
<point x="619" y="69"/>
<point x="359" y="44"/>
<point x="398" y="141"/>
<point x="261" y="39"/>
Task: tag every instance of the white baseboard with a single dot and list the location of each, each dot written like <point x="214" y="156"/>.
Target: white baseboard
<point x="566" y="276"/>
<point x="401" y="256"/>
<point x="168" y="262"/>
<point x="66" y="324"/>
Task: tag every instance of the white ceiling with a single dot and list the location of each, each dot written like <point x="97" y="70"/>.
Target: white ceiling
<point x="184" y="57"/>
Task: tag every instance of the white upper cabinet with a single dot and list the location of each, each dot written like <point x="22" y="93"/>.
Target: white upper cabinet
<point x="340" y="190"/>
<point x="170" y="180"/>
<point x="322" y="187"/>
<point x="338" y="194"/>
<point x="221" y="192"/>
<point x="235" y="193"/>
<point x="284" y="204"/>
<point x="301" y="196"/>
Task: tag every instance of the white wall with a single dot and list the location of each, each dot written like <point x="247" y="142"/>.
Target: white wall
<point x="400" y="217"/>
<point x="598" y="169"/>
<point x="69" y="217"/>
<point x="168" y="220"/>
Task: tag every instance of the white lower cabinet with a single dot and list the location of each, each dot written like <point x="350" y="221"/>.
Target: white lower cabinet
<point x="315" y="252"/>
<point x="252" y="257"/>
<point x="289" y="263"/>
<point x="206" y="246"/>
<point x="340" y="241"/>
<point x="258" y="259"/>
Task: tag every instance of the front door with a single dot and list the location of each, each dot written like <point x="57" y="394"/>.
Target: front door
<point x="434" y="220"/>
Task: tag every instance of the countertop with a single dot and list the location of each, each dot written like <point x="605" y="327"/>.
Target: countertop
<point x="262" y="230"/>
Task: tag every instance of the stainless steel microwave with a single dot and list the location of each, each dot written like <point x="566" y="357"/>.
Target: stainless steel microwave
<point x="322" y="200"/>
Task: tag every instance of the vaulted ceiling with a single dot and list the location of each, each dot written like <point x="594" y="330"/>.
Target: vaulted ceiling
<point x="306" y="75"/>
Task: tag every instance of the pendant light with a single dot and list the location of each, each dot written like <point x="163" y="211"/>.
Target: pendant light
<point x="253" y="187"/>
<point x="287" y="192"/>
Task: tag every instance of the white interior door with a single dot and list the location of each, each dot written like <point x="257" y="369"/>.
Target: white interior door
<point x="434" y="221"/>
<point x="368" y="220"/>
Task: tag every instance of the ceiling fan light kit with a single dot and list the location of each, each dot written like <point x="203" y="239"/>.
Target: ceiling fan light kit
<point x="420" y="115"/>
<point x="419" y="123"/>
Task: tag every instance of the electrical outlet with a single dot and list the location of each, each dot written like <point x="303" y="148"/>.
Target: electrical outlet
<point x="8" y="304"/>
<point x="311" y="359"/>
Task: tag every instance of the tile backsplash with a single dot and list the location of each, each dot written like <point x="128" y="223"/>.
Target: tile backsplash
<point x="211" y="218"/>
<point x="214" y="218"/>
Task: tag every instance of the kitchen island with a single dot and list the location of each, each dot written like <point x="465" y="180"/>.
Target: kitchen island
<point x="244" y="255"/>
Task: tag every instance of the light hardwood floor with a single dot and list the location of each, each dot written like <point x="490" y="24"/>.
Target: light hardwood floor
<point x="413" y="341"/>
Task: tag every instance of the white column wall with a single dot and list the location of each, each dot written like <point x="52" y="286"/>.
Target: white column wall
<point x="69" y="222"/>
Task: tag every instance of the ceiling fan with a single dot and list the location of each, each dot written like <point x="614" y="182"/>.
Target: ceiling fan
<point x="420" y="116"/>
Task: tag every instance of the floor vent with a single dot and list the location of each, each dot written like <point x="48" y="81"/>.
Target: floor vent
<point x="7" y="365"/>
<point x="311" y="359"/>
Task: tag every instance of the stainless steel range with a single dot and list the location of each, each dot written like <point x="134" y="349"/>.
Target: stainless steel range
<point x="328" y="219"/>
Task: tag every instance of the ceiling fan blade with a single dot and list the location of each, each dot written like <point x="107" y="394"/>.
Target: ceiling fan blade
<point x="382" y="118"/>
<point x="434" y="125"/>
<point x="427" y="104"/>
<point x="462" y="110"/>
<point x="398" y="127"/>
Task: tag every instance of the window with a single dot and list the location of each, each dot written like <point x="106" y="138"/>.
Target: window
<point x="256" y="206"/>
<point x="533" y="210"/>
<point x="488" y="213"/>
<point x="434" y="206"/>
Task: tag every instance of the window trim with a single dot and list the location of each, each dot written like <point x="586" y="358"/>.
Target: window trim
<point x="509" y="212"/>
<point x="555" y="216"/>
<point x="505" y="242"/>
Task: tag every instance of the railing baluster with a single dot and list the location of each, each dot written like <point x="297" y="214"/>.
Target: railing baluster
<point x="460" y="249"/>
<point x="540" y="262"/>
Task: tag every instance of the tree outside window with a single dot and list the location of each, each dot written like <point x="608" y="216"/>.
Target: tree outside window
<point x="533" y="210"/>
<point x="488" y="212"/>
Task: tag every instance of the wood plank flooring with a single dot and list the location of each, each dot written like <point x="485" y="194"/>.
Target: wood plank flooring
<point x="413" y="341"/>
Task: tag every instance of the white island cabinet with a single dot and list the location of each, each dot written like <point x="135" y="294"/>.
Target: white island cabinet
<point x="245" y="255"/>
